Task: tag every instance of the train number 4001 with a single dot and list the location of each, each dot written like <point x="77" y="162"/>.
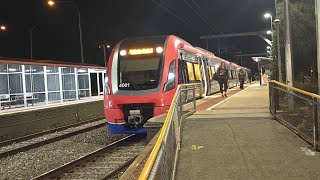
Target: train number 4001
<point x="124" y="85"/>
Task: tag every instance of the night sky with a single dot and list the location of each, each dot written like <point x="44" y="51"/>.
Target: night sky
<point x="56" y="36"/>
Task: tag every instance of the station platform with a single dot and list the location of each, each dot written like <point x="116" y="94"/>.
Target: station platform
<point x="23" y="121"/>
<point x="238" y="139"/>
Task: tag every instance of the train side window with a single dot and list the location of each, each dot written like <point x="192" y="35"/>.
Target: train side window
<point x="197" y="72"/>
<point x="230" y="74"/>
<point x="190" y="71"/>
<point x="213" y="70"/>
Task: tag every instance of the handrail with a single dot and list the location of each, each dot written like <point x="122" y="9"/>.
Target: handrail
<point x="296" y="89"/>
<point x="150" y="162"/>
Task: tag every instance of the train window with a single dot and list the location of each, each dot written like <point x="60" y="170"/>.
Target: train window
<point x="197" y="72"/>
<point x="139" y="73"/>
<point x="230" y="74"/>
<point x="210" y="73"/>
<point x="190" y="71"/>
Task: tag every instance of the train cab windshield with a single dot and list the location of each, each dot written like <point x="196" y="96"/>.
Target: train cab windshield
<point x="139" y="73"/>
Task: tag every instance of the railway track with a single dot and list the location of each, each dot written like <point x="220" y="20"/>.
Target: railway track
<point x="49" y="138"/>
<point x="27" y="137"/>
<point x="105" y="163"/>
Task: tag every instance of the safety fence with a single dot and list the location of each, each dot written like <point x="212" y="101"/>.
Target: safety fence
<point x="162" y="161"/>
<point x="297" y="109"/>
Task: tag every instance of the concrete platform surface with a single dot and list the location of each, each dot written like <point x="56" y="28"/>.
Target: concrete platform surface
<point x="238" y="139"/>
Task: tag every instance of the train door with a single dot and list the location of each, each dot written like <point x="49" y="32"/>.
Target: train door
<point x="182" y="72"/>
<point x="205" y="75"/>
<point x="189" y="69"/>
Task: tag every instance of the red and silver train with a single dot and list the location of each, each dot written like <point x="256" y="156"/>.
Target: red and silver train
<point x="143" y="74"/>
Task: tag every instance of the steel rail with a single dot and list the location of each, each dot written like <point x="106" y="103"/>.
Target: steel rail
<point x="66" y="167"/>
<point x="296" y="89"/>
<point x="118" y="169"/>
<point x="27" y="137"/>
<point x="153" y="155"/>
<point x="49" y="140"/>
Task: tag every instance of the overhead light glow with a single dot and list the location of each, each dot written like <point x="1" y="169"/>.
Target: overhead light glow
<point x="140" y="51"/>
<point x="159" y="50"/>
<point x="267" y="15"/>
<point x="108" y="46"/>
<point x="3" y="28"/>
<point x="51" y="3"/>
<point x="123" y="52"/>
<point x="269" y="32"/>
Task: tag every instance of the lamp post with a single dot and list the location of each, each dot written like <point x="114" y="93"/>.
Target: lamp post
<point x="31" y="42"/>
<point x="104" y="53"/>
<point x="268" y="15"/>
<point x="52" y="3"/>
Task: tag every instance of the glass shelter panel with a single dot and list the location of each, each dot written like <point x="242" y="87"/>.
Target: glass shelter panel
<point x="51" y="69"/>
<point x="4" y="84"/>
<point x="83" y="81"/>
<point x="53" y="82"/>
<point x="3" y="68"/>
<point x="68" y="82"/>
<point x="15" y="83"/>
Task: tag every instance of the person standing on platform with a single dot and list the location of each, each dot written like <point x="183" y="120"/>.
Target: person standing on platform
<point x="249" y="77"/>
<point x="242" y="76"/>
<point x="223" y="77"/>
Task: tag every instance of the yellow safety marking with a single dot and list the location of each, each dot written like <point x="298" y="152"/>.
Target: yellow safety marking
<point x="195" y="147"/>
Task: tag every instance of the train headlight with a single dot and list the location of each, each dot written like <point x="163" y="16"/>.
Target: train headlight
<point x="123" y="52"/>
<point x="159" y="50"/>
<point x="107" y="88"/>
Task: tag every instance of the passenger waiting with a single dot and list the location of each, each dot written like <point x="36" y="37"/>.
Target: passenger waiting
<point x="223" y="78"/>
<point x="241" y="76"/>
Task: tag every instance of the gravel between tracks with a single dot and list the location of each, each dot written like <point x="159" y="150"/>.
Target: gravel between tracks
<point x="26" y="165"/>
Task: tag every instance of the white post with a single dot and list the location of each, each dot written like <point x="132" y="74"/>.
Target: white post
<point x="24" y="85"/>
<point x="60" y="83"/>
<point x="317" y="15"/>
<point x="76" y="82"/>
<point x="89" y="78"/>
<point x="98" y="79"/>
<point x="46" y="85"/>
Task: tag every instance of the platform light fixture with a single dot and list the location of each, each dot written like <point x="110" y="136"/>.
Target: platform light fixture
<point x="51" y="3"/>
<point x="267" y="15"/>
<point x="3" y="28"/>
<point x="269" y="32"/>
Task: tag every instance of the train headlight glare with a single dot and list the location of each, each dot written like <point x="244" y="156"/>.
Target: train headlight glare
<point x="123" y="52"/>
<point x="159" y="50"/>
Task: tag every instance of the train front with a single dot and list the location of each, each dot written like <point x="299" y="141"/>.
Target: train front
<point x="134" y="89"/>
